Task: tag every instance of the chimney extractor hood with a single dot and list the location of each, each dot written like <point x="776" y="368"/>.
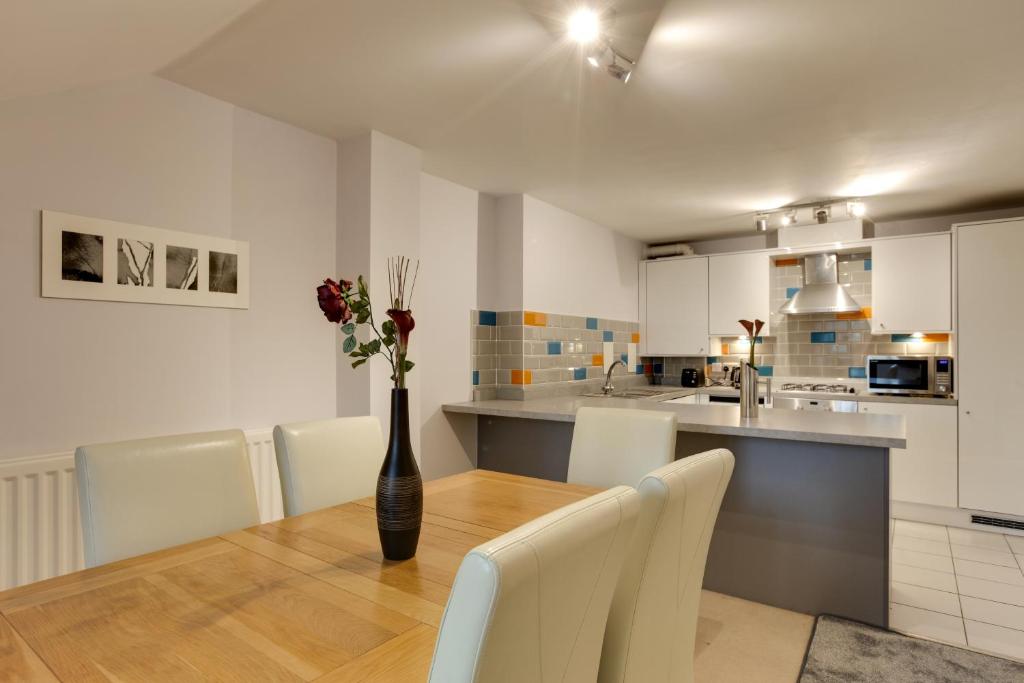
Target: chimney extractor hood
<point x="821" y="292"/>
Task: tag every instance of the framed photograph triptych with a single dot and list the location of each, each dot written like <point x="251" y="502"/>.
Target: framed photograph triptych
<point x="91" y="258"/>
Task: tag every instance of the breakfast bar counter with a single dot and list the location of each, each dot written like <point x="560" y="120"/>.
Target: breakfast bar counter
<point x="804" y="524"/>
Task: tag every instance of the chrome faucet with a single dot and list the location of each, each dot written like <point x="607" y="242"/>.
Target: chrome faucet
<point x="608" y="388"/>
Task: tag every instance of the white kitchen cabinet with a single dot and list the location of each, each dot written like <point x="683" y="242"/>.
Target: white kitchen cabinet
<point x="912" y="284"/>
<point x="926" y="470"/>
<point x="674" y="307"/>
<point x="990" y="391"/>
<point x="738" y="289"/>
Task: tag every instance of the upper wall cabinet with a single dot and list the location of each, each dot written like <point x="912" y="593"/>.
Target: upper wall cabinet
<point x="739" y="290"/>
<point x="912" y="284"/>
<point x="674" y="307"/>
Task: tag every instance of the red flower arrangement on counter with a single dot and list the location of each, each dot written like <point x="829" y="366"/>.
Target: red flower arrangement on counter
<point x="342" y="301"/>
<point x="753" y="329"/>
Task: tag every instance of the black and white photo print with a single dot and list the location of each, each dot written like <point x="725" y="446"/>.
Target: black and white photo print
<point x="134" y="263"/>
<point x="223" y="272"/>
<point x="182" y="268"/>
<point x="81" y="256"/>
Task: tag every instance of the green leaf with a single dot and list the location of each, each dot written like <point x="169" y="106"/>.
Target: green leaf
<point x="409" y="365"/>
<point x="388" y="328"/>
<point x="361" y="284"/>
<point x="362" y="316"/>
<point x="374" y="346"/>
<point x="349" y="344"/>
<point x="357" y="363"/>
<point x="389" y="341"/>
<point x="348" y="328"/>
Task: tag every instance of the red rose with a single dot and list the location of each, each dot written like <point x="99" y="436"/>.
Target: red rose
<point x="332" y="303"/>
<point x="404" y="322"/>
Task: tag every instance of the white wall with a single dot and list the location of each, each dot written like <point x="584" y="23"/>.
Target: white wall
<point x="151" y="152"/>
<point x="505" y="270"/>
<point x="574" y="266"/>
<point x="446" y="292"/>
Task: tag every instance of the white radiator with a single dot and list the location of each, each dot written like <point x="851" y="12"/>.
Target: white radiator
<point x="40" y="532"/>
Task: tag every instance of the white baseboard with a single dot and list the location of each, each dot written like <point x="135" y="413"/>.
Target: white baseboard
<point x="40" y="531"/>
<point x="955" y="517"/>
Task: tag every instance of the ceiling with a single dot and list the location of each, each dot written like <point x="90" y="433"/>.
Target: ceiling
<point x="52" y="45"/>
<point x="734" y="107"/>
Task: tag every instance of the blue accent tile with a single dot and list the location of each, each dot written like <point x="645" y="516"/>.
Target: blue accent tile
<point x="658" y="368"/>
<point x="867" y="264"/>
<point x="591" y="323"/>
<point x="823" y="337"/>
<point x="489" y="318"/>
<point x="766" y="370"/>
<point x="639" y="368"/>
<point x="791" y="292"/>
<point x="608" y="335"/>
<point x="476" y="378"/>
<point x="712" y="359"/>
<point x="759" y="340"/>
<point x="579" y="373"/>
<point x="554" y="348"/>
<point x="624" y="357"/>
<point x="901" y="338"/>
<point x="857" y="372"/>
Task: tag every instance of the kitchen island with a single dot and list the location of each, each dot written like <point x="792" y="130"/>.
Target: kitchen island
<point x="804" y="524"/>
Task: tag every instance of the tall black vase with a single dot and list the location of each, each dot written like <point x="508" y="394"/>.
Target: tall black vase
<point x="399" y="487"/>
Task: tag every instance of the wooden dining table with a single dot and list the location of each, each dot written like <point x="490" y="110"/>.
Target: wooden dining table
<point x="306" y="598"/>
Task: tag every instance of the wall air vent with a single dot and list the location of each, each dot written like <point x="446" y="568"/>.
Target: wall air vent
<point x="995" y="521"/>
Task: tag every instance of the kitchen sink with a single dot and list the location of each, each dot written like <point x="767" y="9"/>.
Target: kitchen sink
<point x="638" y="392"/>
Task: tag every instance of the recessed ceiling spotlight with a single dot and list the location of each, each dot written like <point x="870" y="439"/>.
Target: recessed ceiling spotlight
<point x="584" y="25"/>
<point x="857" y="209"/>
<point x="761" y="222"/>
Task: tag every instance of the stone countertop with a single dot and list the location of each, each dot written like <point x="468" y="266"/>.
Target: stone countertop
<point x="860" y="397"/>
<point x="854" y="429"/>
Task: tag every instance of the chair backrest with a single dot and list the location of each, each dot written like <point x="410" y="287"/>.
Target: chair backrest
<point x="532" y="604"/>
<point x="139" y="496"/>
<point x="328" y="462"/>
<point x="612" y="446"/>
<point x="653" y="619"/>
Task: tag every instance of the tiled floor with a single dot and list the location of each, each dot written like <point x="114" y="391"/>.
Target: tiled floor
<point x="958" y="586"/>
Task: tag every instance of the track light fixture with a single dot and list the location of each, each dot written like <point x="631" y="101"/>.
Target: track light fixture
<point x="821" y="212"/>
<point x="585" y="26"/>
<point x="761" y="222"/>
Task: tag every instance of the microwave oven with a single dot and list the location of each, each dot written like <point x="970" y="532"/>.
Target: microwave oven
<point x="910" y="375"/>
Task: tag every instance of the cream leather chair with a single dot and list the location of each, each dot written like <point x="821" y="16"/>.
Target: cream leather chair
<point x="327" y="462"/>
<point x="531" y="605"/>
<point x="612" y="446"/>
<point x="139" y="496"/>
<point x="653" y="621"/>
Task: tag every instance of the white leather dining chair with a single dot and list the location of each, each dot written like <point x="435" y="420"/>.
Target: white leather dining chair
<point x="612" y="446"/>
<point x="328" y="462"/>
<point x="139" y="496"/>
<point x="652" y="625"/>
<point x="531" y="605"/>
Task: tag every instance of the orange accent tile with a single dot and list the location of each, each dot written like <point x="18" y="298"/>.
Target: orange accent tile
<point x="935" y="338"/>
<point x="636" y="337"/>
<point x="535" y="319"/>
<point x="862" y="314"/>
<point x="597" y="359"/>
<point x="783" y="262"/>
<point x="522" y="377"/>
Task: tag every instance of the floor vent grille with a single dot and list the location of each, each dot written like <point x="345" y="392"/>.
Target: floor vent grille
<point x="995" y="521"/>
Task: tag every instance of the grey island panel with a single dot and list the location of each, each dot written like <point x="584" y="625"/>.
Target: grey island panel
<point x="803" y="526"/>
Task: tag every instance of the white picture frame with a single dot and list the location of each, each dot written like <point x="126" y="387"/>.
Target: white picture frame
<point x="95" y="260"/>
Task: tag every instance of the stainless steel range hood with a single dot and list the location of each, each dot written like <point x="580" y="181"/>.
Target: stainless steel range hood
<point x="821" y="292"/>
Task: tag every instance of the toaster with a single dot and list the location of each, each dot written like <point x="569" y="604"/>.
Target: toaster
<point x="692" y="377"/>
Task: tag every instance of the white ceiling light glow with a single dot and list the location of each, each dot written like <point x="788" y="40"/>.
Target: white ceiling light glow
<point x="584" y="26"/>
<point x="856" y="209"/>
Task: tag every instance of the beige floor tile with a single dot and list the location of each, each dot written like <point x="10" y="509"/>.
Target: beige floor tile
<point x="988" y="612"/>
<point x="989" y="572"/>
<point x="913" y="558"/>
<point x="969" y="552"/>
<point x="925" y="598"/>
<point x="931" y="532"/>
<point x="924" y="624"/>
<point x="740" y="641"/>
<point x="979" y="539"/>
<point x="929" y="578"/>
<point x="1016" y="543"/>
<point x="991" y="590"/>
<point x="998" y="640"/>
<point x="921" y="545"/>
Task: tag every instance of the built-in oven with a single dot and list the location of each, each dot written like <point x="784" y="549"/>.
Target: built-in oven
<point x="910" y="375"/>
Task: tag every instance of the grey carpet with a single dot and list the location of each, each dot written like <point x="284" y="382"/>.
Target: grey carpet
<point x="849" y="652"/>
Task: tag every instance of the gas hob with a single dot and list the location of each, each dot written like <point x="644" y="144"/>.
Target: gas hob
<point x="818" y="388"/>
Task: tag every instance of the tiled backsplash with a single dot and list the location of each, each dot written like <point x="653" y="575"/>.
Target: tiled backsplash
<point x="833" y="345"/>
<point x="529" y="354"/>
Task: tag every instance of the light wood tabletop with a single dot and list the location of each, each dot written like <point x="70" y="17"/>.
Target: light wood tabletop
<point x="302" y="599"/>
